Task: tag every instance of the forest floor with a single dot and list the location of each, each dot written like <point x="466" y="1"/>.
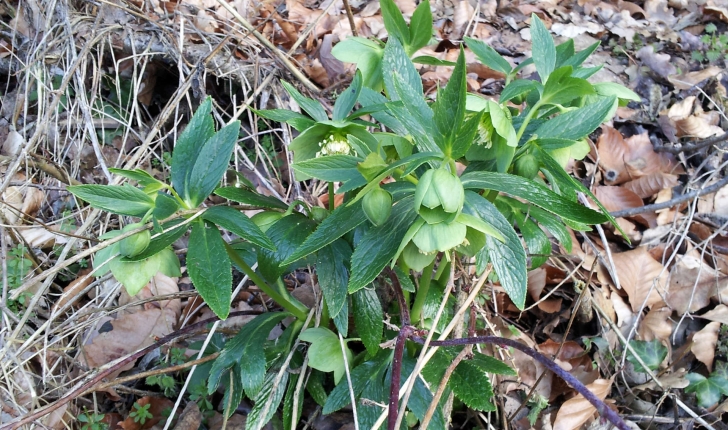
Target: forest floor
<point x="87" y="86"/>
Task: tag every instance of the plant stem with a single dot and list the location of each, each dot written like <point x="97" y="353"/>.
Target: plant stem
<point x="331" y="197"/>
<point x="442" y="269"/>
<point x="528" y="119"/>
<point x="421" y="294"/>
<point x="288" y="303"/>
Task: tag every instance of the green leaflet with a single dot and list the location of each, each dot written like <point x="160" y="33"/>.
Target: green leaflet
<point x="118" y="199"/>
<point x="369" y="317"/>
<point x="209" y="267"/>
<point x="234" y="221"/>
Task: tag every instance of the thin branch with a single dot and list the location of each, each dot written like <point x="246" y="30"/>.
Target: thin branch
<point x="692" y="146"/>
<point x="670" y="203"/>
<point x="602" y="409"/>
<point x="443" y="383"/>
<point x="350" y="15"/>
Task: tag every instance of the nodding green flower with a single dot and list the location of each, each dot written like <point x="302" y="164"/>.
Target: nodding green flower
<point x="335" y="144"/>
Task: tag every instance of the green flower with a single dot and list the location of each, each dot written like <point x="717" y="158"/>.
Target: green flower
<point x="335" y="145"/>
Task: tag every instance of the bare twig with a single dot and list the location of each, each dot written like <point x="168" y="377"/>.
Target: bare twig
<point x="350" y="15"/>
<point x="443" y="383"/>
<point x="692" y="146"/>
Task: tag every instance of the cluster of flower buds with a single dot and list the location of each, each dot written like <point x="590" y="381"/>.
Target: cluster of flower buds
<point x="136" y="243"/>
<point x="335" y="144"/>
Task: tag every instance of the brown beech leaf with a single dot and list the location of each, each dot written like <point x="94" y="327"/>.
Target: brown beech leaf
<point x="691" y="121"/>
<point x="704" y="343"/>
<point x="577" y="411"/>
<point x="641" y="277"/>
<point x="690" y="79"/>
<point x="618" y="198"/>
<point x="659" y="63"/>
<point x="692" y="284"/>
<point x="656" y="324"/>
<point x="717" y="314"/>
<point x="623" y="159"/>
<point x="648" y="186"/>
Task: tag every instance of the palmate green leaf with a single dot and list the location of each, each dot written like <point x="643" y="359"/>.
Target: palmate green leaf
<point x="210" y="165"/>
<point x="508" y="258"/>
<point x="247" y="343"/>
<point x="652" y="354"/>
<point x="578" y="58"/>
<point x="488" y="56"/>
<point x="396" y="60"/>
<point x="465" y="136"/>
<point x="164" y="206"/>
<point x="420" y="28"/>
<point x="421" y="396"/>
<point x="341" y="221"/>
<point x="543" y="49"/>
<point x="287" y="234"/>
<point x="517" y="88"/>
<point x="347" y="99"/>
<point x="561" y="88"/>
<point x="379" y="245"/>
<point x="370" y="99"/>
<point x="578" y="123"/>
<point x="564" y="51"/>
<point x="552" y="223"/>
<point x="394" y="21"/>
<point x="325" y="353"/>
<point x="331" y="168"/>
<point x="708" y="390"/>
<point x="532" y="192"/>
<point x="267" y="401"/>
<point x="449" y="109"/>
<point x="420" y="129"/>
<point x="362" y="376"/>
<point x="310" y="106"/>
<point x="333" y="276"/>
<point x="209" y="267"/>
<point x="118" y="199"/>
<point x="237" y="223"/>
<point x="369" y="318"/>
<point x="189" y="144"/>
<point x="142" y="176"/>
<point x="248" y="197"/>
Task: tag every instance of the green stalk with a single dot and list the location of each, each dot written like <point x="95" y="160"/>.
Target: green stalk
<point x="331" y="197"/>
<point x="422" y="290"/>
<point x="442" y="269"/>
<point x="528" y="119"/>
<point x="288" y="303"/>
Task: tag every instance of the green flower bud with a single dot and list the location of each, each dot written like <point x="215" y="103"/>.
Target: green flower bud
<point x="135" y="244"/>
<point x="439" y="237"/>
<point x="377" y="205"/>
<point x="266" y="219"/>
<point x="527" y="166"/>
<point x="335" y="145"/>
<point x="319" y="214"/>
<point x="449" y="190"/>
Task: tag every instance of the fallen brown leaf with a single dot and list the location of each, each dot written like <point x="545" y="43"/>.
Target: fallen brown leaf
<point x="656" y="324"/>
<point x="692" y="284"/>
<point x="641" y="277"/>
<point x="704" y="343"/>
<point x="648" y="186"/>
<point x="690" y="79"/>
<point x="717" y="314"/>
<point x="577" y="411"/>
<point x="157" y="408"/>
<point x="691" y="121"/>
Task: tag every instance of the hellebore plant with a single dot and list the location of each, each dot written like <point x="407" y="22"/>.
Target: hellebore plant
<point x="407" y="213"/>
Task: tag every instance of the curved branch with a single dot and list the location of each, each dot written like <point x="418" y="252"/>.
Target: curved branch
<point x="602" y="408"/>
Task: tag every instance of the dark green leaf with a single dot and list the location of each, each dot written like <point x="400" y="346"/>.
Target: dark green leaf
<point x="488" y="56"/>
<point x="536" y="240"/>
<point x="247" y="343"/>
<point x="379" y="245"/>
<point x="332" y="168"/>
<point x="490" y="364"/>
<point x="164" y="206"/>
<point x="209" y="267"/>
<point x="142" y="176"/>
<point x="554" y="143"/>
<point x="362" y="376"/>
<point x="288" y="401"/>
<point x="341" y="221"/>
<point x="394" y="22"/>
<point x="347" y="99"/>
<point x="421" y="396"/>
<point x="561" y="89"/>
<point x="404" y="280"/>
<point x="118" y="199"/>
<point x="235" y="222"/>
<point x="368" y="317"/>
<point x="578" y="123"/>
<point x="581" y="56"/>
<point x="210" y="165"/>
<point x="465" y="136"/>
<point x="517" y="88"/>
<point x="310" y="106"/>
<point x="287" y="234"/>
<point x="564" y="51"/>
<point x="543" y="49"/>
<point x="420" y="28"/>
<point x="267" y="401"/>
<point x="533" y="192"/>
<point x="449" y="109"/>
<point x="708" y="390"/>
<point x="189" y="144"/>
<point x="367" y="55"/>
<point x="471" y="385"/>
<point x="509" y="258"/>
<point x="251" y="198"/>
<point x="333" y="277"/>
<point x="546" y="219"/>
<point x="428" y="60"/>
<point x="652" y="354"/>
<point x="294" y="119"/>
